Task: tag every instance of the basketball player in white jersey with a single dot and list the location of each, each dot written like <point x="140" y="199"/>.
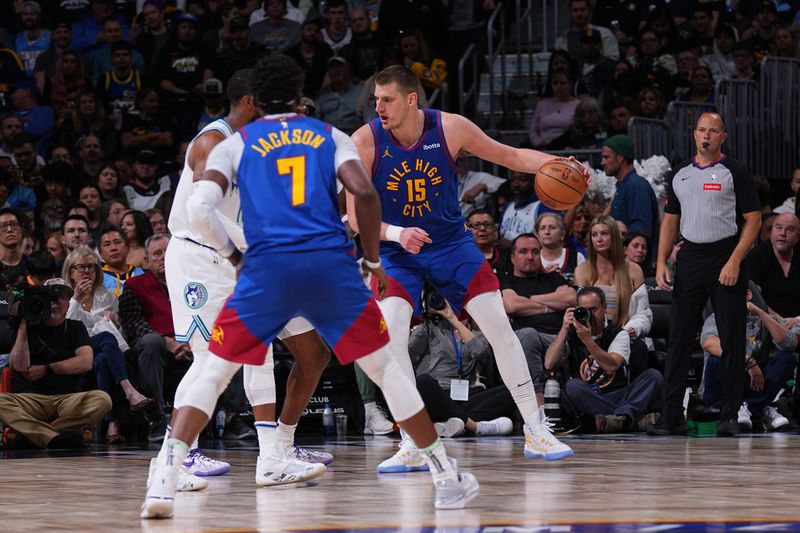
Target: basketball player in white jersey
<point x="200" y="280"/>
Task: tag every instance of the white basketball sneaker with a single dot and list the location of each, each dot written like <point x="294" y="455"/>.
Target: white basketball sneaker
<point x="456" y="493"/>
<point x="199" y="464"/>
<point x="186" y="481"/>
<point x="540" y="443"/>
<point x="160" y="498"/>
<point x="284" y="468"/>
<point x="377" y="423"/>
<point x="407" y="459"/>
<point x="452" y="428"/>
<point x="304" y="455"/>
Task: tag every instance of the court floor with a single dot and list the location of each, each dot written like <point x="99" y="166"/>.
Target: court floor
<point x="613" y="483"/>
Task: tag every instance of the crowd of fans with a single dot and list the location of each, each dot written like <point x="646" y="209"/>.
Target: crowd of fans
<point x="99" y="100"/>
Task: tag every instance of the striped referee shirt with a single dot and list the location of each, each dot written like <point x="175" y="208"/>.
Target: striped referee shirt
<point x="711" y="199"/>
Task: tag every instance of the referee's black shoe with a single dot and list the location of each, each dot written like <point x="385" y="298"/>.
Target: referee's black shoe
<point x="728" y="428"/>
<point x="663" y="428"/>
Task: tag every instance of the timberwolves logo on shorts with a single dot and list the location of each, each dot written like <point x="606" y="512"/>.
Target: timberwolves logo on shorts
<point x="195" y="294"/>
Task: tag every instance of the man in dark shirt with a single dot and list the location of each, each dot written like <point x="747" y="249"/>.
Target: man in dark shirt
<point x="311" y="54"/>
<point x="775" y="267"/>
<point x="363" y="53"/>
<point x="533" y="298"/>
<point x="48" y="361"/>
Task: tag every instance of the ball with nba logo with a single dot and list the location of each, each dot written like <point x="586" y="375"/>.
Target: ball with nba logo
<point x="560" y="183"/>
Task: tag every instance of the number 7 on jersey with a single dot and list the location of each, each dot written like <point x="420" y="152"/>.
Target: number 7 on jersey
<point x="296" y="166"/>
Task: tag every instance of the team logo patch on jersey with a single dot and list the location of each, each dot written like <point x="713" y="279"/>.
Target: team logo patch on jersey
<point x="195" y="294"/>
<point x="217" y="334"/>
<point x="382" y="327"/>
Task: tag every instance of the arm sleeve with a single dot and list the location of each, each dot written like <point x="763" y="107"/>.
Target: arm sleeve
<point x="641" y="315"/>
<point x="672" y="205"/>
<point x="745" y="189"/>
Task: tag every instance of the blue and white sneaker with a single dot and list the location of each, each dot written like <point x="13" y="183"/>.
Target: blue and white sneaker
<point x="309" y="456"/>
<point x="540" y="443"/>
<point x="407" y="459"/>
<point x="200" y="464"/>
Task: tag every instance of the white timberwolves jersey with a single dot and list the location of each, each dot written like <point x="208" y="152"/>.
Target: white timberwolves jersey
<point x="229" y="210"/>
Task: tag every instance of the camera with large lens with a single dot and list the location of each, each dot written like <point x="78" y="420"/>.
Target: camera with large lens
<point x="34" y="301"/>
<point x="436" y="301"/>
<point x="582" y="315"/>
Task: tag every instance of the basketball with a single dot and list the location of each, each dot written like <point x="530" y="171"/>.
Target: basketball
<point x="560" y="184"/>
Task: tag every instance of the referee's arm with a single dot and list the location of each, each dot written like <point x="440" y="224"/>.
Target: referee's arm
<point x="730" y="272"/>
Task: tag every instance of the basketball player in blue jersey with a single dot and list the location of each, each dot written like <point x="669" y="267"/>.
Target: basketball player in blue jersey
<point x="298" y="263"/>
<point x="194" y="269"/>
<point x="411" y="153"/>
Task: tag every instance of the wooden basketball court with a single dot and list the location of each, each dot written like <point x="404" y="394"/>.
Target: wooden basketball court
<point x="614" y="483"/>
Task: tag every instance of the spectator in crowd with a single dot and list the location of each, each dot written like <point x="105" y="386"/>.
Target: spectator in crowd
<point x="149" y="129"/>
<point x="52" y="212"/>
<point x="680" y="83"/>
<point x="417" y="56"/>
<point x="650" y="104"/>
<point x="57" y="180"/>
<point x="276" y="32"/>
<point x="90" y="196"/>
<point x="37" y="119"/>
<point x="68" y="81"/>
<point x="618" y="117"/>
<point x="580" y="16"/>
<point x="775" y="267"/>
<point x="596" y="69"/>
<point x="338" y="102"/>
<point x="443" y="350"/>
<point x="661" y="22"/>
<point x="553" y="116"/>
<point x="89" y="117"/>
<point x="111" y="212"/>
<point x="54" y="245"/>
<point x="29" y="163"/>
<point x="622" y="281"/>
<point x="560" y="61"/>
<point x="16" y="195"/>
<point x="623" y="87"/>
<point x="720" y="61"/>
<point x="47" y="405"/>
<point x="75" y="232"/>
<point x="521" y="213"/>
<point x="62" y="154"/>
<point x="578" y="221"/>
<point x="702" y="88"/>
<point x="113" y="248"/>
<point x="119" y="86"/>
<point x="556" y="256"/>
<point x="153" y="35"/>
<point x="533" y="298"/>
<point x="635" y="202"/>
<point x="34" y="39"/>
<point x="102" y="60"/>
<point x="239" y="52"/>
<point x="137" y="229"/>
<point x="145" y="188"/>
<point x="146" y="317"/>
<point x="652" y="65"/>
<point x="789" y="205"/>
<point x="218" y="33"/>
<point x="45" y="67"/>
<point x="745" y="61"/>
<point x="157" y="221"/>
<point x="213" y="103"/>
<point x="108" y="183"/>
<point x="700" y="34"/>
<point x="251" y="10"/>
<point x="88" y="34"/>
<point x="596" y="354"/>
<point x="41" y="267"/>
<point x="91" y="157"/>
<point x="312" y="55"/>
<point x="763" y="32"/>
<point x="363" y="53"/>
<point x="587" y="132"/>
<point x="474" y="187"/>
<point x="182" y="67"/>
<point x="767" y="369"/>
<point x="337" y="33"/>
<point x="484" y="231"/>
<point x="97" y="309"/>
<point x="10" y="126"/>
<point x="637" y="250"/>
<point x="786" y="44"/>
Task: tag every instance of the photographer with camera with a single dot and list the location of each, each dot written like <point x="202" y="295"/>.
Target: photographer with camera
<point x="597" y="352"/>
<point x="49" y="357"/>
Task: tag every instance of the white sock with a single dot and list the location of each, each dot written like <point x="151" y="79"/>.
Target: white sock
<point x="266" y="438"/>
<point x="195" y="444"/>
<point x="162" y="453"/>
<point x="436" y="458"/>
<point x="285" y="435"/>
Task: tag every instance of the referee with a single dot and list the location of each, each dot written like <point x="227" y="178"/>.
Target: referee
<point x="713" y="200"/>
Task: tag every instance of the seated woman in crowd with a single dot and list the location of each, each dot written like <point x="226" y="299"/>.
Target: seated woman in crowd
<point x="87" y="117"/>
<point x="621" y="280"/>
<point x="97" y="309"/>
<point x="91" y="197"/>
<point x="68" y="82"/>
<point x="109" y="183"/>
<point x="55" y="245"/>
<point x="137" y="228"/>
<point x="578" y="220"/>
<point x="701" y="90"/>
<point x="557" y="256"/>
<point x="111" y="213"/>
<point x="637" y="250"/>
<point x="786" y="44"/>
<point x="588" y="130"/>
<point x="650" y="104"/>
<point x="553" y="116"/>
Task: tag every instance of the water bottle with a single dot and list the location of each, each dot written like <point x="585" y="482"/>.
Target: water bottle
<point x="552" y="400"/>
<point x="220" y="422"/>
<point x="327" y="420"/>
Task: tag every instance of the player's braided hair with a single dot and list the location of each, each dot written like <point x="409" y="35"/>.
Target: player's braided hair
<point x="278" y="83"/>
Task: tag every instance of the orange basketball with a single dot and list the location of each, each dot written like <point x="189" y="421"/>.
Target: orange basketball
<point x="560" y="183"/>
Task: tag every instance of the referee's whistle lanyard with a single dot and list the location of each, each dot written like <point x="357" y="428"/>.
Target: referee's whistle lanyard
<point x="459" y="347"/>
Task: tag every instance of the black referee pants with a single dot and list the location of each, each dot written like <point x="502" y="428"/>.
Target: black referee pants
<point x="697" y="279"/>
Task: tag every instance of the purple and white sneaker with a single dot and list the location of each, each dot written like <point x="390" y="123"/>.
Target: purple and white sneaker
<point x="200" y="464"/>
<point x="309" y="456"/>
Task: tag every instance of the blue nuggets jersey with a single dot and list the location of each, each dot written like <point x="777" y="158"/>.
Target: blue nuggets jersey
<point x="418" y="185"/>
<point x="287" y="184"/>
